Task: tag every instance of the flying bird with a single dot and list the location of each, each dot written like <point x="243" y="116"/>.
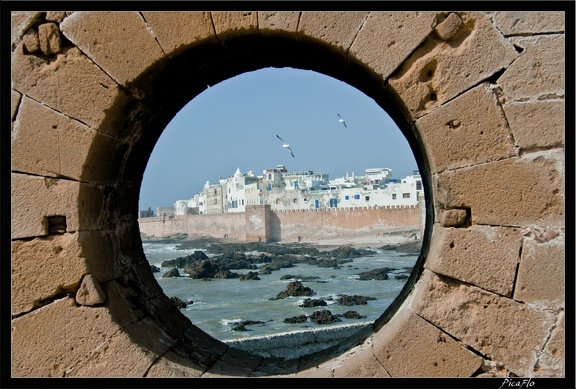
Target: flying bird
<point x="286" y="145"/>
<point x="341" y="120"/>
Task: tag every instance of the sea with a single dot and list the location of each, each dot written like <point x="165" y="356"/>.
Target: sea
<point x="220" y="304"/>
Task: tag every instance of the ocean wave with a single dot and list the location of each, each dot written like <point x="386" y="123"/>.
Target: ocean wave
<point x="227" y="322"/>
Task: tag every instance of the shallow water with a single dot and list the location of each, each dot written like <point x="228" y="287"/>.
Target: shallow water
<point x="220" y="303"/>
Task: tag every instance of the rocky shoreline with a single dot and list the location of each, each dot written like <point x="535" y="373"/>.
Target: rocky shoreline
<point x="264" y="258"/>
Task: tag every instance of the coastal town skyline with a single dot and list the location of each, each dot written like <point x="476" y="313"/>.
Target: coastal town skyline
<point x="238" y="123"/>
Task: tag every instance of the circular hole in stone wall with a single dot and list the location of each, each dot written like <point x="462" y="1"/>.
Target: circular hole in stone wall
<point x="282" y="201"/>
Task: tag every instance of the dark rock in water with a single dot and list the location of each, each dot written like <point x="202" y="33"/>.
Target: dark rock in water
<point x="186" y="261"/>
<point x="334" y="263"/>
<point x="225" y="274"/>
<point x="375" y="274"/>
<point x="276" y="264"/>
<point x="179" y="303"/>
<point x="295" y="288"/>
<point x="347" y="252"/>
<point x="299" y="277"/>
<point x="251" y="275"/>
<point x="353" y="300"/>
<point x="401" y="276"/>
<point x="155" y="269"/>
<point x="242" y="325"/>
<point x="352" y="315"/>
<point x="236" y="260"/>
<point x="296" y="319"/>
<point x="309" y="303"/>
<point x="209" y="269"/>
<point x="171" y="273"/>
<point x="324" y="317"/>
<point x="202" y="269"/>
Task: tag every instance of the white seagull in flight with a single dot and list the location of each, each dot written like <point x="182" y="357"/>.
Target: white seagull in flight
<point x="341" y="120"/>
<point x="286" y="145"/>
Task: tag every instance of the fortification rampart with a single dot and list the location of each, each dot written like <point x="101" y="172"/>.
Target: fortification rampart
<point x="260" y="223"/>
<point x="479" y="96"/>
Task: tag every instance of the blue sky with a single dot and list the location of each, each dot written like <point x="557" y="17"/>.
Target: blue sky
<point x="234" y="124"/>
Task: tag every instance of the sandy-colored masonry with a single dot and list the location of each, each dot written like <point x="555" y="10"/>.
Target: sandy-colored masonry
<point x="479" y="96"/>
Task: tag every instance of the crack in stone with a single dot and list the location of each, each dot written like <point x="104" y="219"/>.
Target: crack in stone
<point x="151" y="31"/>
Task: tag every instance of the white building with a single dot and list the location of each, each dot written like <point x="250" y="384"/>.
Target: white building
<point x="235" y="191"/>
<point x="284" y="190"/>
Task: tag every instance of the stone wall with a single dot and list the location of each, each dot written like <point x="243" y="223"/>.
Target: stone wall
<point x="260" y="223"/>
<point x="320" y="224"/>
<point x="478" y="95"/>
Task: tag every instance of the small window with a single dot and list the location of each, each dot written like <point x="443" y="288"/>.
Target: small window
<point x="367" y="198"/>
<point x="418" y="185"/>
<point x="295" y="200"/>
<point x="346" y="197"/>
<point x="356" y="197"/>
<point x="393" y="196"/>
<point x="405" y="195"/>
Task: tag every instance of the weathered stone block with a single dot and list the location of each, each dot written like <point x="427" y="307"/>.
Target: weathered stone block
<point x="98" y="252"/>
<point x="515" y="192"/>
<point x="399" y="348"/>
<point x="49" y="341"/>
<point x="449" y="27"/>
<point x="55" y="16"/>
<point x="90" y="293"/>
<point x="269" y="22"/>
<point x="173" y="365"/>
<point x="34" y="199"/>
<point x="360" y="363"/>
<point x="529" y="22"/>
<point x="538" y="73"/>
<point x="134" y="48"/>
<point x="33" y="150"/>
<point x="128" y="353"/>
<point x="49" y="38"/>
<point x="552" y="360"/>
<point x="438" y="71"/>
<point x="177" y="30"/>
<point x="45" y="268"/>
<point x="541" y="272"/>
<point x="31" y="41"/>
<point x="21" y="21"/>
<point x="70" y="74"/>
<point x="120" y="303"/>
<point x="45" y="142"/>
<point x="337" y="29"/>
<point x="386" y="39"/>
<point x="504" y="330"/>
<point x="453" y="218"/>
<point x="479" y="255"/>
<point x="15" y="104"/>
<point x="457" y="136"/>
<point x="226" y="23"/>
<point x="537" y="124"/>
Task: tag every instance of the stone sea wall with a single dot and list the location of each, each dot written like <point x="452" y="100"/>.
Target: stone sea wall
<point x="260" y="223"/>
